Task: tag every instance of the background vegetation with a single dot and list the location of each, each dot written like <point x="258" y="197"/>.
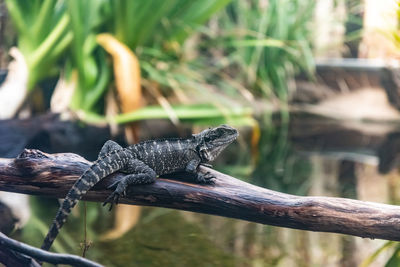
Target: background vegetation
<point x="249" y="49"/>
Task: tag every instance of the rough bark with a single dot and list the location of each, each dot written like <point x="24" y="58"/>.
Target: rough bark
<point x="35" y="172"/>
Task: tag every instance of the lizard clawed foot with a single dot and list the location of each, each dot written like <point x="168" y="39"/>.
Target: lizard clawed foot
<point x="206" y="178"/>
<point x="113" y="198"/>
<point x="113" y="185"/>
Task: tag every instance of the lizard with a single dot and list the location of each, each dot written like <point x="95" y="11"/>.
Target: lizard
<point x="143" y="163"/>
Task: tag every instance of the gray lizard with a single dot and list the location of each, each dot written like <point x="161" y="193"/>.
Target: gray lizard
<point x="142" y="163"/>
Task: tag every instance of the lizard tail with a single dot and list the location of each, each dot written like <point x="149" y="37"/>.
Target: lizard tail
<point x="103" y="167"/>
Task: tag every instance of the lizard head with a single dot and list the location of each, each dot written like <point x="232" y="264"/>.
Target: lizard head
<point x="211" y="142"/>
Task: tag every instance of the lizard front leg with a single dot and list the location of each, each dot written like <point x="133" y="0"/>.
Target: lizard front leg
<point x="200" y="178"/>
<point x="138" y="173"/>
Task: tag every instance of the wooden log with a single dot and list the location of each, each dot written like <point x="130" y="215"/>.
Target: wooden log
<point x="35" y="172"/>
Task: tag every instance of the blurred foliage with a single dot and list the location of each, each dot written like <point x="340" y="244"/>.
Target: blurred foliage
<point x="158" y="24"/>
<point x="393" y="261"/>
<point x="269" y="41"/>
<point x="354" y="26"/>
<point x="256" y="47"/>
<point x="202" y="114"/>
<point x="86" y="57"/>
<point x="394" y="34"/>
<point x="43" y="35"/>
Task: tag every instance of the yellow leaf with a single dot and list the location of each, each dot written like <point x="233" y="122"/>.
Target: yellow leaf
<point x="126" y="71"/>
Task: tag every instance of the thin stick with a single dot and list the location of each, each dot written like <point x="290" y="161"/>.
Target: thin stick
<point x="85" y="244"/>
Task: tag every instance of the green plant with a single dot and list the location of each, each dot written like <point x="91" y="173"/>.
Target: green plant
<point x="155" y="24"/>
<point x="394" y="33"/>
<point x="157" y="33"/>
<point x="394" y="260"/>
<point x="205" y="114"/>
<point x="87" y="57"/>
<point x="43" y="35"/>
<point x="259" y="47"/>
<point x="269" y="41"/>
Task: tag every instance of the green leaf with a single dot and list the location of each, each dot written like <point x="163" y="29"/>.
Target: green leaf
<point x="197" y="114"/>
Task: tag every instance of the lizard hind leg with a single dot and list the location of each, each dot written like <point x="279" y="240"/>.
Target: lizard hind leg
<point x="139" y="173"/>
<point x="108" y="147"/>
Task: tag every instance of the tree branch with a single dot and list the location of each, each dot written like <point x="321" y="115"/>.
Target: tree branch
<point x="35" y="172"/>
<point x="9" y="245"/>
